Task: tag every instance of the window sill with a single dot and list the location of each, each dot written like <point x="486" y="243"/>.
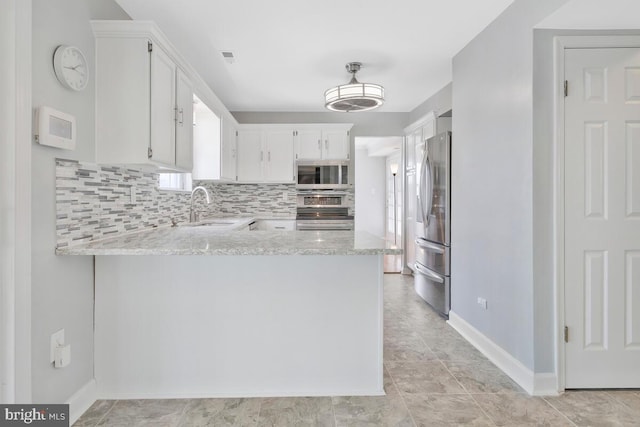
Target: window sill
<point x="174" y="190"/>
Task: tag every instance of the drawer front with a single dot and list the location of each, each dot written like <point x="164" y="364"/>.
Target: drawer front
<point x="433" y="256"/>
<point x="434" y="289"/>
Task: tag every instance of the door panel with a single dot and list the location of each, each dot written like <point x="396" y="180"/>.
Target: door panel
<point x="632" y="296"/>
<point x="309" y="144"/>
<point x="184" y="125"/>
<point x="250" y="156"/>
<point x="163" y="104"/>
<point x="633" y="169"/>
<point x="435" y="190"/>
<point x="602" y="224"/>
<point x="335" y="145"/>
<point x="279" y="156"/>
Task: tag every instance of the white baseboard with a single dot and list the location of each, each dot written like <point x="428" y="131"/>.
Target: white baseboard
<point x="545" y="384"/>
<point x="106" y="395"/>
<point x="82" y="400"/>
<point x="542" y="384"/>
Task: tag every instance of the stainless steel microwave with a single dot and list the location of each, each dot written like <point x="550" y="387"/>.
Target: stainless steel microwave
<point x="318" y="174"/>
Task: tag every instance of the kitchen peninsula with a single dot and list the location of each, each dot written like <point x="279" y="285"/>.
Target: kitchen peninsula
<point x="196" y="312"/>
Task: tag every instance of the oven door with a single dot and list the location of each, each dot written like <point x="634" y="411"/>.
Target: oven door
<point x="324" y="224"/>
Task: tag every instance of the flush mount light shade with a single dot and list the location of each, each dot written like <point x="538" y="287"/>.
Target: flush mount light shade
<point x="354" y="96"/>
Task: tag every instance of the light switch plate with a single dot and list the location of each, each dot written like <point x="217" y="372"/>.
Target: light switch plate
<point x="57" y="340"/>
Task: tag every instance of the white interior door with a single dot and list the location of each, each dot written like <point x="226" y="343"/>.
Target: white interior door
<point x="602" y="218"/>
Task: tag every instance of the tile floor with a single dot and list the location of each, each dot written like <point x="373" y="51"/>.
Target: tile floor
<point x="433" y="377"/>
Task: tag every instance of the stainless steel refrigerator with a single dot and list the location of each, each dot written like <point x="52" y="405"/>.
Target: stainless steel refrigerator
<point x="433" y="231"/>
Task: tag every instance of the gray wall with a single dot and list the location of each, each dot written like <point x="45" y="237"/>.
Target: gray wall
<point x="492" y="198"/>
<point x="62" y="287"/>
<point x="440" y="102"/>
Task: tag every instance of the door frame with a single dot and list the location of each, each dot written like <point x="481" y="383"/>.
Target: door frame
<point x="15" y="202"/>
<point x="561" y="43"/>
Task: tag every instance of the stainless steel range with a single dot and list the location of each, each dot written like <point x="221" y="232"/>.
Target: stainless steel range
<point x="323" y="210"/>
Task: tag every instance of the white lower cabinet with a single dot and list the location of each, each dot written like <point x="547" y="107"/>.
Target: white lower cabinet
<point x="276" y="224"/>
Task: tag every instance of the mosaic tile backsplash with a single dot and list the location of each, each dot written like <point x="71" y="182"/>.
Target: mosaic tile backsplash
<point x="94" y="201"/>
<point x="251" y="199"/>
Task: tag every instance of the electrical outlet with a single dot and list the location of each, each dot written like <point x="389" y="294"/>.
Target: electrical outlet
<point x="482" y="302"/>
<point x="57" y="340"/>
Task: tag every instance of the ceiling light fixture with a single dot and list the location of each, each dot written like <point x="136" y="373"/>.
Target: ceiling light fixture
<point x="354" y="96"/>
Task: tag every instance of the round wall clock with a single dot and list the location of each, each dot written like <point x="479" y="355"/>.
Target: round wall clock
<point x="71" y="67"/>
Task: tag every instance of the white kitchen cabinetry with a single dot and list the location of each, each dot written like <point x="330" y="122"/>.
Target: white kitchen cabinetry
<point x="278" y="155"/>
<point x="326" y="143"/>
<point x="228" y="171"/>
<point x="144" y="100"/>
<point x="276" y="224"/>
<point x="265" y="155"/>
<point x="184" y="123"/>
<point x="250" y="156"/>
<point x="309" y="144"/>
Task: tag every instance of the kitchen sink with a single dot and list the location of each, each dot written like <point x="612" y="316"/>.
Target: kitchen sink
<point x="215" y="223"/>
<point x="209" y="224"/>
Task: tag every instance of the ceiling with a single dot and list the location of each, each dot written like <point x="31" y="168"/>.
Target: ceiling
<point x="288" y="52"/>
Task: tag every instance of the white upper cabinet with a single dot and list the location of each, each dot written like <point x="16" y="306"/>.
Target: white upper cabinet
<point x="265" y="155"/>
<point x="336" y="145"/>
<point x="309" y="144"/>
<point x="250" y="156"/>
<point x="163" y="103"/>
<point x="228" y="171"/>
<point x="323" y="142"/>
<point x="184" y="124"/>
<point x="143" y="99"/>
<point x="279" y="155"/>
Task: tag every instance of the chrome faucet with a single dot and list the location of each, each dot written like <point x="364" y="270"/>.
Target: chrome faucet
<point x="194" y="216"/>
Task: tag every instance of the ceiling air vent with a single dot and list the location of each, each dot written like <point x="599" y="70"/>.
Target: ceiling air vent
<point x="228" y="56"/>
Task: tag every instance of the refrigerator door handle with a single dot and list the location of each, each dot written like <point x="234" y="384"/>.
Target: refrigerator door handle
<point x="430" y="246"/>
<point x="423" y="194"/>
<point x="430" y="274"/>
<point x="430" y="198"/>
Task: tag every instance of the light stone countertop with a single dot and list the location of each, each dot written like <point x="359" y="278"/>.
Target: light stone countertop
<point x="225" y="240"/>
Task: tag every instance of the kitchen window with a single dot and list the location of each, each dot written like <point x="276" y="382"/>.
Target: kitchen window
<point x="174" y="181"/>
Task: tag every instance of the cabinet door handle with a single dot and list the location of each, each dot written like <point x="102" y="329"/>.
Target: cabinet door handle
<point x="181" y="119"/>
<point x="269" y="155"/>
